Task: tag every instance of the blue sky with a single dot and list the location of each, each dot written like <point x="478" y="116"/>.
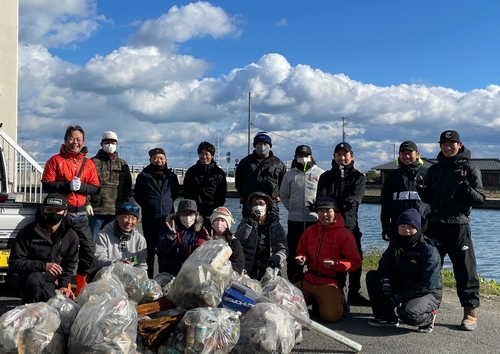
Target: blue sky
<point x="172" y="74"/>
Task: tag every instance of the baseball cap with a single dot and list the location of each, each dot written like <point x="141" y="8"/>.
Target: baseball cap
<point x="187" y="204"/>
<point x="343" y="145"/>
<point x="326" y="203"/>
<point x="408" y="145"/>
<point x="109" y="135"/>
<point x="449" y="135"/>
<point x="303" y="149"/>
<point x="55" y="200"/>
<point x="155" y="151"/>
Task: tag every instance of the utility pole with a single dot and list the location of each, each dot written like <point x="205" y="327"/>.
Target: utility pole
<point x="394" y="152"/>
<point x="249" y="122"/>
<point x="217" y="150"/>
<point x="344" y="133"/>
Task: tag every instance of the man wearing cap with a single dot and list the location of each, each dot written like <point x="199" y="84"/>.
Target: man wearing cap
<point x="408" y="278"/>
<point x="156" y="189"/>
<point x="297" y="193"/>
<point x="73" y="175"/>
<point x="399" y="191"/>
<point x="180" y="235"/>
<point x="346" y="186"/>
<point x="262" y="236"/>
<point x="116" y="183"/>
<point x="328" y="249"/>
<point x="45" y="252"/>
<point x="452" y="187"/>
<point x="260" y="171"/>
<point x="120" y="241"/>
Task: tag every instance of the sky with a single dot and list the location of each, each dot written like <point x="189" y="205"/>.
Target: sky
<point x="172" y="74"/>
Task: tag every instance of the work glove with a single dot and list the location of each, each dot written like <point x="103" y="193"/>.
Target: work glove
<point x="349" y="204"/>
<point x="75" y="184"/>
<point x="274" y="261"/>
<point x="386" y="233"/>
<point x="312" y="207"/>
<point x="89" y="210"/>
<point x="420" y="182"/>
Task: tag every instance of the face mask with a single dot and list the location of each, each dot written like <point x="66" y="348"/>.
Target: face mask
<point x="52" y="218"/>
<point x="109" y="148"/>
<point x="262" y="150"/>
<point x="219" y="226"/>
<point x="303" y="160"/>
<point x="259" y="210"/>
<point x="406" y="242"/>
<point x="187" y="221"/>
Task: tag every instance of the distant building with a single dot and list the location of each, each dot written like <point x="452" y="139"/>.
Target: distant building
<point x="490" y="169"/>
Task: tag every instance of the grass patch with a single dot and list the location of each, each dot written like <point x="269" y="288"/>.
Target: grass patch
<point x="372" y="255"/>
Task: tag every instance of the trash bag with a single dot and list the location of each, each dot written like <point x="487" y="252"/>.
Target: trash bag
<point x="104" y="326"/>
<point x="203" y="277"/>
<point x="153" y="291"/>
<point x="165" y="280"/>
<point x="266" y="328"/>
<point x="207" y="330"/>
<point x="132" y="278"/>
<point x="67" y="309"/>
<point x="282" y="292"/>
<point x="31" y="328"/>
<point x="107" y="284"/>
<point x="253" y="284"/>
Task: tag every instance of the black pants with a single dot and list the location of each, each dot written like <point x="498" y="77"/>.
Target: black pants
<point x="414" y="312"/>
<point x="455" y="241"/>
<point x="354" y="277"/>
<point x="34" y="288"/>
<point x="80" y="223"/>
<point x="151" y="232"/>
<point x="295" y="231"/>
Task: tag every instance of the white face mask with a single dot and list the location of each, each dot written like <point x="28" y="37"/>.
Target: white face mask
<point x="259" y="210"/>
<point x="187" y="221"/>
<point x="109" y="148"/>
<point x="262" y="150"/>
<point x="303" y="160"/>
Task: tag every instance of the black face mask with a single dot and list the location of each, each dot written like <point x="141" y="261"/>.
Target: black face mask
<point x="406" y="242"/>
<point x="52" y="218"/>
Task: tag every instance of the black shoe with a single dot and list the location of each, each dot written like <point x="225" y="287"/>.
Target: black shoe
<point x="346" y="309"/>
<point x="358" y="299"/>
<point x="383" y="323"/>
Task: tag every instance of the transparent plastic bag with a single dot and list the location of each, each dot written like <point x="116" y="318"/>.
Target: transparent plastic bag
<point x="67" y="309"/>
<point x="266" y="328"/>
<point x="104" y="326"/>
<point x="253" y="284"/>
<point x="165" y="280"/>
<point x="132" y="278"/>
<point x="153" y="291"/>
<point x="107" y="285"/>
<point x="203" y="277"/>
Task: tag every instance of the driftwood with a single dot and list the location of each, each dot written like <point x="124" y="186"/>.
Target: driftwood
<point x="155" y="332"/>
<point x="161" y="304"/>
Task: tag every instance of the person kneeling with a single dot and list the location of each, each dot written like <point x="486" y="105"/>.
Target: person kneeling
<point x="327" y="248"/>
<point x="408" y="278"/>
<point x="120" y="241"/>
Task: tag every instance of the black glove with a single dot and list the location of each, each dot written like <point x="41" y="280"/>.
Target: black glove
<point x="420" y="182"/>
<point x="252" y="218"/>
<point x="386" y="233"/>
<point x="312" y="207"/>
<point x="274" y="261"/>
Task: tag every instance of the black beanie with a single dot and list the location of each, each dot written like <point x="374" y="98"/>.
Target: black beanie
<point x="410" y="217"/>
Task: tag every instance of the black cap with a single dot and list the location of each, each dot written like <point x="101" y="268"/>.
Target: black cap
<point x="187" y="204"/>
<point x="449" y="135"/>
<point x="303" y="149"/>
<point x="155" y="151"/>
<point x="343" y="145"/>
<point x="326" y="203"/>
<point x="408" y="145"/>
<point x="55" y="200"/>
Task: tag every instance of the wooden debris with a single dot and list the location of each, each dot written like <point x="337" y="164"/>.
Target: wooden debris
<point x="161" y="304"/>
<point x="155" y="332"/>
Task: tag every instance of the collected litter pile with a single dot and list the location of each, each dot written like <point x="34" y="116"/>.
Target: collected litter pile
<point x="206" y="309"/>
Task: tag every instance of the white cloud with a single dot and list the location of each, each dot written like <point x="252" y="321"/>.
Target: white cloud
<point x="281" y="22"/>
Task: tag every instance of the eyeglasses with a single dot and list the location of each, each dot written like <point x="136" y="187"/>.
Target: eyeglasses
<point x="135" y="209"/>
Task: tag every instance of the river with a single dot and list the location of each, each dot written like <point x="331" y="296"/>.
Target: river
<point x="483" y="224"/>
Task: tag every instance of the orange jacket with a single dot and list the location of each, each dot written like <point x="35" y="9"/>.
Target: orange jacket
<point x="332" y="241"/>
<point x="60" y="170"/>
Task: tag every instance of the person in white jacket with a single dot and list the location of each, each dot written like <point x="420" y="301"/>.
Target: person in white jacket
<point x="120" y="241"/>
<point x="298" y="193"/>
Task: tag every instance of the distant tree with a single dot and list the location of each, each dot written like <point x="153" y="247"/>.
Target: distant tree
<point x="373" y="177"/>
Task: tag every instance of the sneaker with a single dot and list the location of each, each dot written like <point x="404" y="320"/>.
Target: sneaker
<point x="383" y="323"/>
<point x="358" y="299"/>
<point x="430" y="327"/>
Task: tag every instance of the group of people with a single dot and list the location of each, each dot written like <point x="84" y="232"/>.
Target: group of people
<point x="87" y="221"/>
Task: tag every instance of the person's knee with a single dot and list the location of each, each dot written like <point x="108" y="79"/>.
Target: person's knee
<point x="34" y="280"/>
<point x="330" y="314"/>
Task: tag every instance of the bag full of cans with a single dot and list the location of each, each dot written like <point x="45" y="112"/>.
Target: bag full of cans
<point x="67" y="309"/>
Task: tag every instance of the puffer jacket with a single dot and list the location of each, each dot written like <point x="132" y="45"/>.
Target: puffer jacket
<point x="115" y="180"/>
<point x="451" y="198"/>
<point x="331" y="241"/>
<point x="59" y="172"/>
<point x="298" y="190"/>
<point x="343" y="186"/>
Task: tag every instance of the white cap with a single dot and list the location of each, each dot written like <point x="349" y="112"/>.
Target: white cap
<point x="109" y="135"/>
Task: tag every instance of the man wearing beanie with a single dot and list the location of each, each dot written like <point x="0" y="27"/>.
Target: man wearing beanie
<point x="399" y="191"/>
<point x="260" y="171"/>
<point x="120" y="241"/>
<point x="116" y="183"/>
<point x="452" y="187"/>
<point x="408" y="278"/>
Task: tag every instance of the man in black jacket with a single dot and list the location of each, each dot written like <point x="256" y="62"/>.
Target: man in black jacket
<point x="45" y="253"/>
<point x="346" y="185"/>
<point x="452" y="187"/>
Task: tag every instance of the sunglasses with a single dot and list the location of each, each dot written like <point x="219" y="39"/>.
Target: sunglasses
<point x="135" y="209"/>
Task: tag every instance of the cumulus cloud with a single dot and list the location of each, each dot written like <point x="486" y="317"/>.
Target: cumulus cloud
<point x="281" y="22"/>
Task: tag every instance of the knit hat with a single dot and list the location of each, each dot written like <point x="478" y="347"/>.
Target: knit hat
<point x="262" y="137"/>
<point x="343" y="145"/>
<point x="155" y="151"/>
<point x="187" y="204"/>
<point x="303" y="149"/>
<point x="224" y="213"/>
<point x="449" y="135"/>
<point x="128" y="207"/>
<point x="55" y="200"/>
<point x="408" y="145"/>
<point x="109" y="135"/>
<point x="410" y="217"/>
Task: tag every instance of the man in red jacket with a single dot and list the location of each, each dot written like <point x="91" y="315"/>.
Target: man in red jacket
<point x="74" y="176"/>
<point x="327" y="247"/>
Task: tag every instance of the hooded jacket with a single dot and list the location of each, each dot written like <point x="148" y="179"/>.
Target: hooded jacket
<point x="450" y="197"/>
<point x="116" y="183"/>
<point x="34" y="248"/>
<point x="59" y="172"/>
<point x="343" y="186"/>
<point x="156" y="203"/>
<point x="331" y="241"/>
<point x="298" y="189"/>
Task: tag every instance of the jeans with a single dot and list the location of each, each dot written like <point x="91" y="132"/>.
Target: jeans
<point x="97" y="223"/>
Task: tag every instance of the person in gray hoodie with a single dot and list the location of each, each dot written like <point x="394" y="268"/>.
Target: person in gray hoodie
<point x="120" y="241"/>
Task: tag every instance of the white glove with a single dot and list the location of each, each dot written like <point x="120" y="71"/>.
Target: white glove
<point x="89" y="210"/>
<point x="75" y="184"/>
